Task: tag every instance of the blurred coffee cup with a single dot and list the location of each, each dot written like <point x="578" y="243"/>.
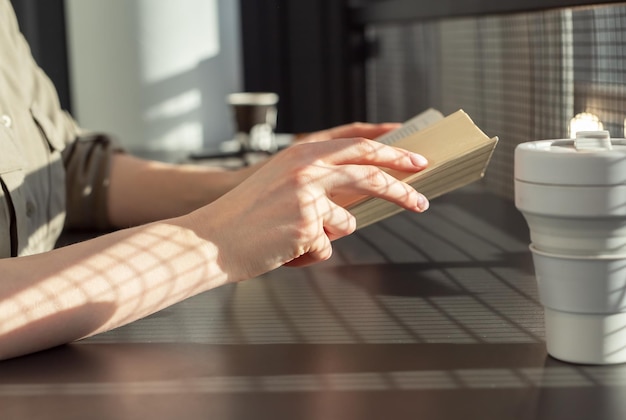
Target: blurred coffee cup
<point x="255" y="115"/>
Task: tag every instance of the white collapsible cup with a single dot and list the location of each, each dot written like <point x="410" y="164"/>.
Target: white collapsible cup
<point x="572" y="194"/>
<point x="585" y="306"/>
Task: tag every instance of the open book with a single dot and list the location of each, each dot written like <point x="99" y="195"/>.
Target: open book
<point x="457" y="150"/>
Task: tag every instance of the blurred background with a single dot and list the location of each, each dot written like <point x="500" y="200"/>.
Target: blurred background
<point x="156" y="72"/>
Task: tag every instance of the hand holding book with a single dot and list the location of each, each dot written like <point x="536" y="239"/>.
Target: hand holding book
<point x="457" y="150"/>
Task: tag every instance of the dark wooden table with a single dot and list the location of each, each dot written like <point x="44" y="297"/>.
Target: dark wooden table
<point x="431" y="316"/>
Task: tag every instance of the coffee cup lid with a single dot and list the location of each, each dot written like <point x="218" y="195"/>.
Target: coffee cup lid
<point x="252" y="98"/>
<point x="592" y="158"/>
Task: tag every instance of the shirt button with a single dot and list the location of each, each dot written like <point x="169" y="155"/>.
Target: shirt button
<point x="6" y="121"/>
<point x="30" y="209"/>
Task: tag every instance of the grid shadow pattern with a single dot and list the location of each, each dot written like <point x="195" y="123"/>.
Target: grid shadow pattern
<point x="450" y="275"/>
<point x="520" y="76"/>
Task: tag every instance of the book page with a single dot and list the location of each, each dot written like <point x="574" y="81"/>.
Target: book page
<point x="419" y="122"/>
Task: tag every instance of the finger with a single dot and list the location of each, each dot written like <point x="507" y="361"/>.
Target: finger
<point x="338" y="222"/>
<point x="359" y="129"/>
<point x="320" y="250"/>
<point x="372" y="181"/>
<point x="327" y="218"/>
<point x="369" y="152"/>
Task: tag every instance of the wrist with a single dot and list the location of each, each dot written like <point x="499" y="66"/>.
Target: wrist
<point x="224" y="241"/>
<point x="197" y="235"/>
<point x="202" y="186"/>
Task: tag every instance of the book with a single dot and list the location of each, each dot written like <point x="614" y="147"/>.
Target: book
<point x="458" y="153"/>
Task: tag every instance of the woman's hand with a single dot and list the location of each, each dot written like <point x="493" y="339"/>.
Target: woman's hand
<point x="356" y="129"/>
<point x="285" y="213"/>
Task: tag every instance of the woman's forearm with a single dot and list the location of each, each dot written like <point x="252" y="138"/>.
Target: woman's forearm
<point x="144" y="191"/>
<point x="94" y="286"/>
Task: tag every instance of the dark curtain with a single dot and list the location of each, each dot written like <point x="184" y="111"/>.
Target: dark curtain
<point x="309" y="54"/>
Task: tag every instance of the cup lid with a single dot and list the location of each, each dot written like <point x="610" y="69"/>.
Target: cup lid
<point x="592" y="158"/>
<point x="252" y="98"/>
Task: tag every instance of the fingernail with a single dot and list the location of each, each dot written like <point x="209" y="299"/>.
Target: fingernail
<point x="418" y="160"/>
<point x="422" y="202"/>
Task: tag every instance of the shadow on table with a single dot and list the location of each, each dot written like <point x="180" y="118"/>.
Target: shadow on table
<point x="310" y="381"/>
<point x="420" y="279"/>
<point x="139" y="361"/>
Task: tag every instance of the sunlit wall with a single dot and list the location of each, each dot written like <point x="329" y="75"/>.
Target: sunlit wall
<point x="155" y="72"/>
